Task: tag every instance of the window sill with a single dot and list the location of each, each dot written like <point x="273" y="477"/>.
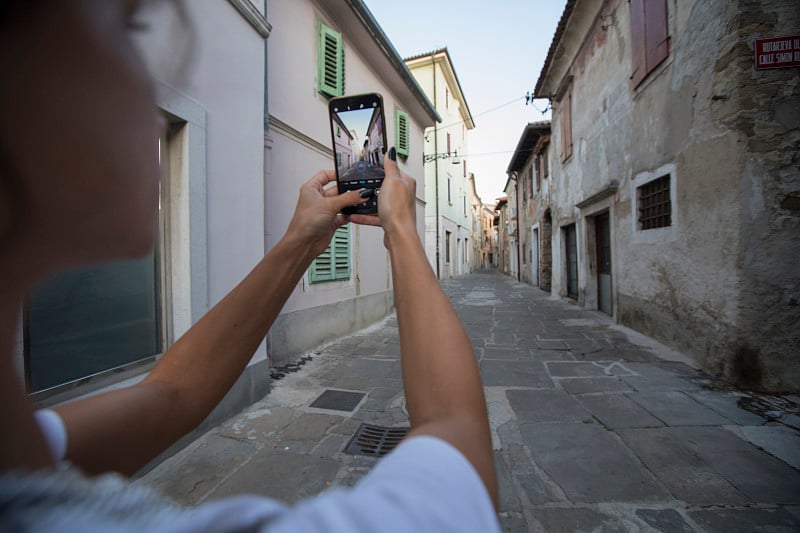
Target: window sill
<point x="115" y="378"/>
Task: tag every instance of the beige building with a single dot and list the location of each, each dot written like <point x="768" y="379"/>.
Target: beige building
<point x="447" y="193"/>
<point x="502" y="259"/>
<point x="481" y="218"/>
<point x="674" y="178"/>
<point x="320" y="49"/>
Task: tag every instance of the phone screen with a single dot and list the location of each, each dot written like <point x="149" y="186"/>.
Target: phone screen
<point x="359" y="143"/>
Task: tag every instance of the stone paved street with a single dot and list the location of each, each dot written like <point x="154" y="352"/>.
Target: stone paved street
<point x="595" y="427"/>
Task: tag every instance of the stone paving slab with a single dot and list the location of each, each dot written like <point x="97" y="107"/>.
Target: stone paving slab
<point x="515" y="374"/>
<point x="589" y="463"/>
<point x="687" y="477"/>
<point x="292" y="476"/>
<point x="546" y="406"/>
<point x="779" y="441"/>
<point x="727" y="405"/>
<point x="677" y="409"/>
<point x="564" y="386"/>
<point x="593" y="385"/>
<point x="616" y="411"/>
<point x="746" y="520"/>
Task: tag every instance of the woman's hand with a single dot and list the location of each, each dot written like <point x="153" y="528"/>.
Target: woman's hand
<point x="318" y="213"/>
<point x="397" y="209"/>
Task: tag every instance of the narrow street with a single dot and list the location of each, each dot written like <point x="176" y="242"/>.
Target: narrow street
<point x="595" y="427"/>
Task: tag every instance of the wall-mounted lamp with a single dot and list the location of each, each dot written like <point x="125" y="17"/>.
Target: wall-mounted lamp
<point x="427" y="158"/>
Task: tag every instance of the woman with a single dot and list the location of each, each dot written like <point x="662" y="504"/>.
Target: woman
<point x="71" y="195"/>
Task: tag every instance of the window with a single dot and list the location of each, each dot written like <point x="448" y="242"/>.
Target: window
<point x="531" y="172"/>
<point x="401" y="132"/>
<point x="334" y="263"/>
<point x="655" y="205"/>
<point x="565" y="109"/>
<point x="464" y="165"/>
<point x="449" y="198"/>
<point x="91" y="320"/>
<point x="448" y="143"/>
<point x="465" y="204"/>
<point x="446" y="98"/>
<point x="447" y="246"/>
<point x="649" y="38"/>
<point x="330" y="62"/>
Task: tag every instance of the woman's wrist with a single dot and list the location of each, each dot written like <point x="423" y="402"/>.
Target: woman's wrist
<point x="296" y="249"/>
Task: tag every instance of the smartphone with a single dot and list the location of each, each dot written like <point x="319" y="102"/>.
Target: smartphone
<point x="358" y="131"/>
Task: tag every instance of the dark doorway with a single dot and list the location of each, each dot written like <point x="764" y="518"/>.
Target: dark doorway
<point x="571" y="248"/>
<point x="603" y="240"/>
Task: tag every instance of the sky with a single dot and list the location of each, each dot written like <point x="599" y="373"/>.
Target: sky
<point x="498" y="48"/>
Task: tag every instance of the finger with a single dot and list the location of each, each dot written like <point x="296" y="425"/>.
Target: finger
<point x="347" y="199"/>
<point x="365" y="220"/>
<point x="390" y="167"/>
<point x="322" y="178"/>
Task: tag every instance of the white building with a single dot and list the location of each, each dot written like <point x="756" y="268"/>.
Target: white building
<point x="102" y="326"/>
<point x="447" y="191"/>
<point x="318" y="50"/>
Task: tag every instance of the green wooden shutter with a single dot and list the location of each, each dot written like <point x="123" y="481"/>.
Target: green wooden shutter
<point x="401" y="132"/>
<point x="330" y="68"/>
<point x="334" y="263"/>
<point x="341" y="253"/>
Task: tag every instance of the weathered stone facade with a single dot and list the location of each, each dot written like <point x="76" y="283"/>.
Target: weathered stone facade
<point x="713" y="271"/>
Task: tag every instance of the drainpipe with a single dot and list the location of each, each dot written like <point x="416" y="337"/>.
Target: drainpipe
<point x="436" y="172"/>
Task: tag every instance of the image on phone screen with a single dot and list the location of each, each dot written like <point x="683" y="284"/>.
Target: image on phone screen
<point x="357" y="128"/>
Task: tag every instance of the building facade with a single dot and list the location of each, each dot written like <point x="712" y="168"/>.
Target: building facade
<point x="674" y="178"/>
<point x="529" y="172"/>
<point x="104" y="326"/>
<point x="502" y="259"/>
<point x="482" y="217"/>
<point x="317" y="50"/>
<point x="447" y="193"/>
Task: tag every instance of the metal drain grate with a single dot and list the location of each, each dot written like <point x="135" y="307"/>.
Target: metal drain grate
<point x="338" y="400"/>
<point x="375" y="441"/>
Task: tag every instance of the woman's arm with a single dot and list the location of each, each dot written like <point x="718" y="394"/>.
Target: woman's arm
<point x="443" y="388"/>
<point x="124" y="429"/>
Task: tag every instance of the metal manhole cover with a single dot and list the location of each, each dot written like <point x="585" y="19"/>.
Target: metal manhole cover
<point x="375" y="441"/>
<point x="338" y="400"/>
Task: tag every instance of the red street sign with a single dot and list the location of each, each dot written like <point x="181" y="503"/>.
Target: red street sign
<point x="778" y="52"/>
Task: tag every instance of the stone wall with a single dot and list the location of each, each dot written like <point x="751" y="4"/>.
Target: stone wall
<point x="721" y="282"/>
<point x="763" y="108"/>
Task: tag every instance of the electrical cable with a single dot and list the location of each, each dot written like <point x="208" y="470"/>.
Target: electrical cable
<point x="484" y="112"/>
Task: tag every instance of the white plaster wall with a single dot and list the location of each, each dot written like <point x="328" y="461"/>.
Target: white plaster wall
<point x="223" y="77"/>
<point x="427" y="75"/>
<point x="300" y="150"/>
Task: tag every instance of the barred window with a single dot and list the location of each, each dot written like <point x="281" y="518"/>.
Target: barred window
<point x="655" y="206"/>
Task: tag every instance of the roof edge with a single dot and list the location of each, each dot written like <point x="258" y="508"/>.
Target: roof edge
<point x="562" y="25"/>
<point x="372" y="26"/>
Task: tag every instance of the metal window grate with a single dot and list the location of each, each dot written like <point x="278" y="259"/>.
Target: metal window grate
<point x="375" y="441"/>
<point x="655" y="206"/>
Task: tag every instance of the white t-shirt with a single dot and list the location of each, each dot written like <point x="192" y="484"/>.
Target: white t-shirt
<point x="424" y="485"/>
